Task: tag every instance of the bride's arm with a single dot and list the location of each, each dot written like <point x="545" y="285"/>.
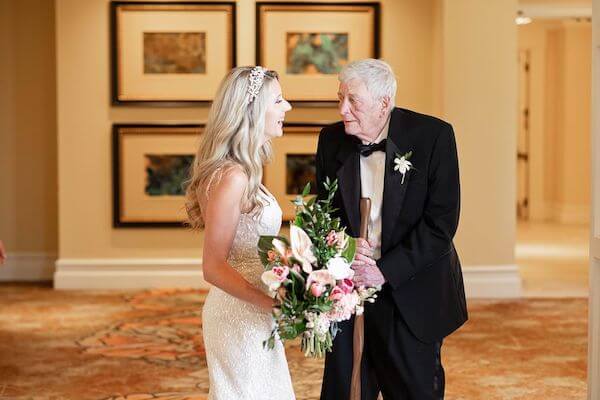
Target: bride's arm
<point x="221" y="217"/>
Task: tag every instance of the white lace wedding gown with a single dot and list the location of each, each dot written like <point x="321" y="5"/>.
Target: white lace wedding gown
<point x="239" y="367"/>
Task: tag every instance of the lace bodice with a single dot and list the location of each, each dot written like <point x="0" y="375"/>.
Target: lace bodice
<point x="244" y="251"/>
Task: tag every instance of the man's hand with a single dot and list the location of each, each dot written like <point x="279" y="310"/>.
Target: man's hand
<point x="366" y="272"/>
<point x="364" y="254"/>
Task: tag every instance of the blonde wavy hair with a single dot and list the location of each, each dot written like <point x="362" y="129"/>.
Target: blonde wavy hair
<point x="233" y="137"/>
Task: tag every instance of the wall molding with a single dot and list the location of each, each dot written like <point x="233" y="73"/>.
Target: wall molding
<point x="562" y="213"/>
<point x="128" y="273"/>
<point x="493" y="281"/>
<point x="572" y="213"/>
<point x="557" y="11"/>
<point x="28" y="266"/>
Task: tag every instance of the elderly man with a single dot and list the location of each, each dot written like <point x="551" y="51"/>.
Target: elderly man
<point x="406" y="163"/>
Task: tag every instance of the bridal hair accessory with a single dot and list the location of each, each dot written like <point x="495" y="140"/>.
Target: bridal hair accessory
<point x="256" y="78"/>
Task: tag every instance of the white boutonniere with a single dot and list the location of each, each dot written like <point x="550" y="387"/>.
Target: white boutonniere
<point x="402" y="164"/>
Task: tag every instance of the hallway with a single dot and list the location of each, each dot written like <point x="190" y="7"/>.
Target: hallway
<point x="553" y="259"/>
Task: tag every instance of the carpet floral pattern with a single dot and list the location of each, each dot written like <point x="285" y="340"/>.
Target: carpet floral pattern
<point x="143" y="345"/>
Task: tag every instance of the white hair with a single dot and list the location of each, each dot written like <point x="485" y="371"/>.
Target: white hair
<point x="377" y="75"/>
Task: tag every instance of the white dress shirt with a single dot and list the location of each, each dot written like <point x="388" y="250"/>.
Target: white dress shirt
<point x="372" y="174"/>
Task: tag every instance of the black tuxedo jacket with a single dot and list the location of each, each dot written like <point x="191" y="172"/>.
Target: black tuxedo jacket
<point x="419" y="217"/>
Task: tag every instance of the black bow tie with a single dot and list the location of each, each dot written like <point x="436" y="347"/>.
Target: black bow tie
<point x="366" y="150"/>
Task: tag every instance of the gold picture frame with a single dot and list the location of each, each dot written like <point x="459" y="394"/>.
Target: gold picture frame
<point x="308" y="43"/>
<point x="291" y="166"/>
<point x="150" y="164"/>
<point x="170" y="53"/>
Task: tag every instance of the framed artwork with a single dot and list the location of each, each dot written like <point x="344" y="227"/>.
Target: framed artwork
<point x="170" y="53"/>
<point x="150" y="165"/>
<point x="293" y="164"/>
<point x="309" y="43"/>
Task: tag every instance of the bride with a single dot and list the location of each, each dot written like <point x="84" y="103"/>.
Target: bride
<point x="225" y="197"/>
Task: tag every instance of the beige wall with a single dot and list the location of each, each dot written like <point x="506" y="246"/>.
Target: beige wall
<point x="28" y="177"/>
<point x="480" y="100"/>
<point x="560" y="77"/>
<point x="576" y="105"/>
<point x="432" y="45"/>
<point x="85" y="117"/>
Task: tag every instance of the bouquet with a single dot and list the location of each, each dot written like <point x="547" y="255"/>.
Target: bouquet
<point x="311" y="277"/>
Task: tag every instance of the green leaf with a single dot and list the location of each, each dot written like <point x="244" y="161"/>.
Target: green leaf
<point x="306" y="190"/>
<point x="350" y="250"/>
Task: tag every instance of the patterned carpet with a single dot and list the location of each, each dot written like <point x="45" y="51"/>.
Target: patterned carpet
<point x="148" y="345"/>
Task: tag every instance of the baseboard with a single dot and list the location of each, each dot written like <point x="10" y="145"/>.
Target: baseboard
<point x="572" y="213"/>
<point x="493" y="281"/>
<point x="27" y="267"/>
<point x="562" y="213"/>
<point x="126" y="273"/>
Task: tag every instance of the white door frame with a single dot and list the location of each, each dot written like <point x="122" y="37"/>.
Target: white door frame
<point x="594" y="301"/>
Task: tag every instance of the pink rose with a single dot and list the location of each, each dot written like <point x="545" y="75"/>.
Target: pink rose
<point x="336" y="294"/>
<point x="347" y="285"/>
<point x="281" y="273"/>
<point x="316" y="289"/>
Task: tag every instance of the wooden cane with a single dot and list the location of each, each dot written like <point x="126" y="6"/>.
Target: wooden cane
<point x="359" y="321"/>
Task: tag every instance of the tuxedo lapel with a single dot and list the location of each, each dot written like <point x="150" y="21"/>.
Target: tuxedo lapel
<point x="394" y="189"/>
<point x="348" y="175"/>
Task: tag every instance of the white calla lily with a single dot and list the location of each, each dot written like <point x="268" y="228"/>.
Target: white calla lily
<point x="302" y="248"/>
<point x="279" y="246"/>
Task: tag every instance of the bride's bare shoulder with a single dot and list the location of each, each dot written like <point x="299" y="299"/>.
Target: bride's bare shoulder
<point x="228" y="181"/>
<point x="231" y="177"/>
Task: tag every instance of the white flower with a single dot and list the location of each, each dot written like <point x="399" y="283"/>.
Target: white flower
<point x="302" y="248"/>
<point x="402" y="165"/>
<point x="339" y="268"/>
<point x="322" y="324"/>
<point x="319" y="323"/>
<point x="271" y="279"/>
<point x="322" y="277"/>
<point x="275" y="277"/>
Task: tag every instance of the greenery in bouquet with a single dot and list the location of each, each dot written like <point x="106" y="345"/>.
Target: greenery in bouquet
<point x="311" y="276"/>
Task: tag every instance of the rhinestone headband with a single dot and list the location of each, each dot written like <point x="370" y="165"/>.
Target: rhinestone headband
<point x="256" y="78"/>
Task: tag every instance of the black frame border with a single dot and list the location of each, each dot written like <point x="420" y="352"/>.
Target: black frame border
<point x="116" y="175"/>
<point x="115" y="101"/>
